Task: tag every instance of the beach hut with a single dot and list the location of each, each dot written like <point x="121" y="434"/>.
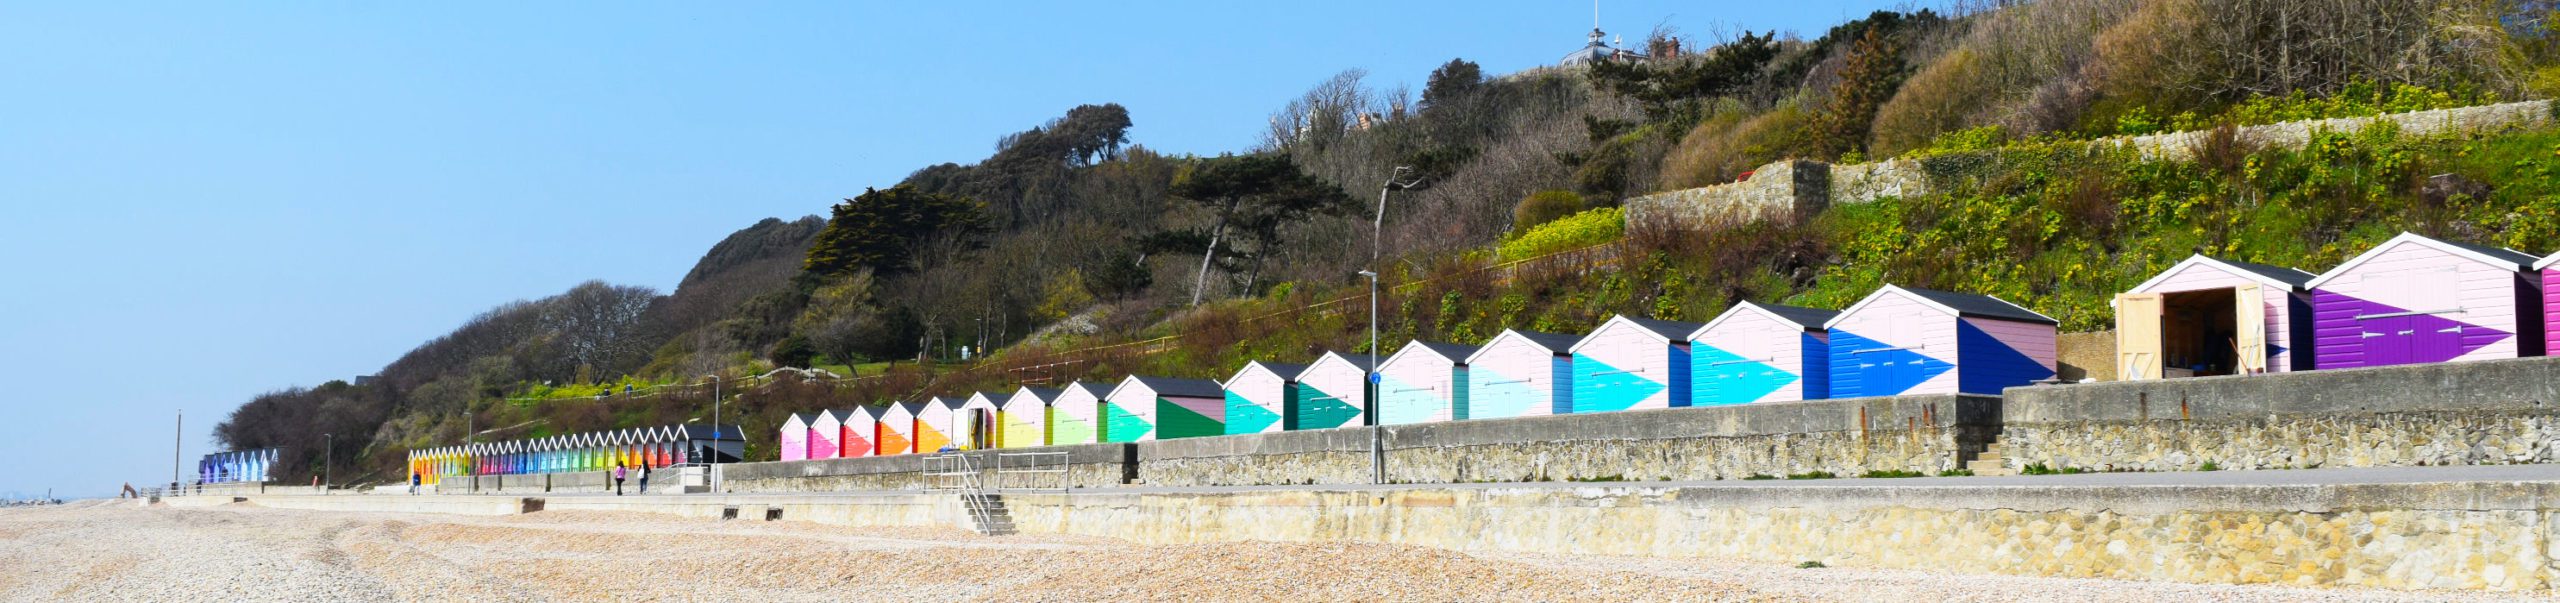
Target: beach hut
<point x="861" y="424"/>
<point x="1336" y="392"/>
<point x="1521" y="374"/>
<point x="1905" y="341"/>
<point x="1024" y="417"/>
<point x="897" y="428"/>
<point x="1076" y="416"/>
<point x="1426" y="382"/>
<point x="1259" y="396"/>
<point x="1757" y="352"/>
<point x="977" y="421"/>
<point x="936" y="422"/>
<point x="2211" y="316"/>
<point x="794" y="439"/>
<point x="2414" y="300"/>
<point x="2549" y="269"/>
<point x="826" y="435"/>
<point x="1632" y="364"/>
<point x="1147" y="408"/>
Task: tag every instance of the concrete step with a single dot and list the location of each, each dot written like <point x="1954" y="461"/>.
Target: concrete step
<point x="1992" y="466"/>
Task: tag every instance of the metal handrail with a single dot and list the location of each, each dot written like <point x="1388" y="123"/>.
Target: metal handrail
<point x="1065" y="481"/>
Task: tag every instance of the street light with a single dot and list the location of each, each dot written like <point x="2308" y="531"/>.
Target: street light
<point x="1369" y="384"/>
<point x="328" y="442"/>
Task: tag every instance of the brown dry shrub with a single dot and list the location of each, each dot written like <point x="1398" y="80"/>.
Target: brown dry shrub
<point x="1943" y="97"/>
<point x="1723" y="147"/>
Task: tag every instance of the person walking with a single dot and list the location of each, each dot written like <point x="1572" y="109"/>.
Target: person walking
<point x="644" y="477"/>
<point x="618" y="473"/>
<point x="414" y="482"/>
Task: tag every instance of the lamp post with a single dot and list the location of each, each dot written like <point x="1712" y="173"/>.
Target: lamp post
<point x="328" y="442"/>
<point x="1368" y="385"/>
<point x="177" y="445"/>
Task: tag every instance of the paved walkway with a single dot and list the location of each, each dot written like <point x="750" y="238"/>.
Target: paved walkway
<point x="2291" y="477"/>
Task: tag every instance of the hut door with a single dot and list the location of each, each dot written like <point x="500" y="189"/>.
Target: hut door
<point x="2138" y="336"/>
<point x="2249" y="322"/>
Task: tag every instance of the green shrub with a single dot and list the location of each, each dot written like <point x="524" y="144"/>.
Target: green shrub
<point x="2209" y="466"/>
<point x="1892" y="473"/>
<point x="1810" y="565"/>
<point x="1571" y="232"/>
<point x="1812" y="475"/>
<point x="1759" y="476"/>
<point x="1956" y="473"/>
<point x="1542" y="207"/>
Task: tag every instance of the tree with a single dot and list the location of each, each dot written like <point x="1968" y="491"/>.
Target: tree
<point x="1662" y="87"/>
<point x="1253" y="195"/>
<point x="1453" y="81"/>
<point x="882" y="230"/>
<point x="1873" y="72"/>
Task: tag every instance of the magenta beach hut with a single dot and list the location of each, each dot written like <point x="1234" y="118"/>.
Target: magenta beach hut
<point x="793" y="441"/>
<point x="2549" y="268"/>
<point x="2416" y="300"/>
<point x="826" y="434"/>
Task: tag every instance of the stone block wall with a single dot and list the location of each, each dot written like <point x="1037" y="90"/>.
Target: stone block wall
<point x="1087" y="465"/>
<point x="1801" y="188"/>
<point x="2464" y="413"/>
<point x="1851" y="437"/>
<point x="1925" y="434"/>
<point x="1782" y="190"/>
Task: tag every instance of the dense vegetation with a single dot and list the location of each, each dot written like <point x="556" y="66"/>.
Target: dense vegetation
<point x="1070" y="239"/>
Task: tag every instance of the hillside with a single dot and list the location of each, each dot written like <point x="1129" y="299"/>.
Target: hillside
<point x="1070" y="218"/>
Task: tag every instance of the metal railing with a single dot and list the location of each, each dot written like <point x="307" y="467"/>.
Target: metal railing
<point x="952" y="471"/>
<point x="1037" y="466"/>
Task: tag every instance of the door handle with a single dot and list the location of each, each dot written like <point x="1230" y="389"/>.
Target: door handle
<point x="2453" y="329"/>
<point x="2369" y="335"/>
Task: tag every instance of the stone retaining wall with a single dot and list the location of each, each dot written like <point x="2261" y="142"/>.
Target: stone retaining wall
<point x="1924" y="434"/>
<point x="1795" y="187"/>
<point x="2463" y="413"/>
<point x="1088" y="466"/>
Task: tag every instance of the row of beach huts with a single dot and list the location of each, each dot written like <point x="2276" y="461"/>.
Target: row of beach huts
<point x="2410" y="300"/>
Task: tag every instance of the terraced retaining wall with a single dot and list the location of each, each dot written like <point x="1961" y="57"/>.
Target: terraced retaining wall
<point x="2462" y="413"/>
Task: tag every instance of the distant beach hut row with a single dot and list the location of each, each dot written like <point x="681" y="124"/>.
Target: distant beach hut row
<point x="2409" y="300"/>
<point x="1897" y="341"/>
<point x="237" y="466"/>
<point x="592" y="451"/>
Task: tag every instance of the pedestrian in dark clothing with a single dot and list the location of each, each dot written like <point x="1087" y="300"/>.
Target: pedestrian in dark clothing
<point x="618" y="473"/>
<point x="644" y="477"/>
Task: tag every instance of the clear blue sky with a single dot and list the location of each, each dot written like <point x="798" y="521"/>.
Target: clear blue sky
<point x="199" y="203"/>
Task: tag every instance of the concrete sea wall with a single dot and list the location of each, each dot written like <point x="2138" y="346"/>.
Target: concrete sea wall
<point x="2481" y="534"/>
<point x="2464" y="413"/>
<point x="1087" y="466"/>
<point x="1925" y="434"/>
